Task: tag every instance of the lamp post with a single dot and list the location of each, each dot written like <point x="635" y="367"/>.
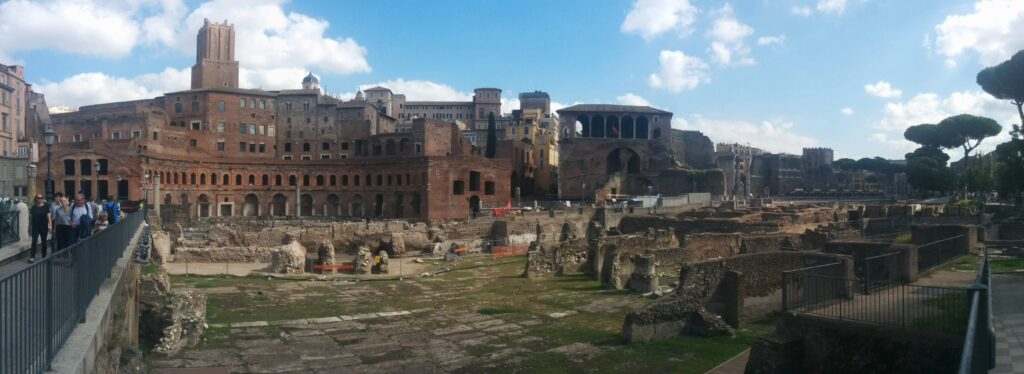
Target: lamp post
<point x="118" y="188"/>
<point x="96" y="186"/>
<point x="145" y="188"/>
<point x="48" y="137"/>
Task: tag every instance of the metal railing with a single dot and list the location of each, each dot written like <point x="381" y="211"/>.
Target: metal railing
<point x="979" y="354"/>
<point x="9" y="222"/>
<point x="936" y="253"/>
<point x="939" y="309"/>
<point x="41" y="304"/>
<point x="879" y="271"/>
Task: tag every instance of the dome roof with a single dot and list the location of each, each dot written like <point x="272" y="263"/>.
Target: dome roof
<point x="310" y="79"/>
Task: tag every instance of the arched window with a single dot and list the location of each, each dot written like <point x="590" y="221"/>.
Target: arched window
<point x="266" y="180"/>
<point x="334" y="180"/>
<point x="202" y="179"/>
<point x="292" y="180"/>
<point x="192" y="179"/>
<point x="225" y="180"/>
<point x="319" y="180"/>
<point x="344" y="180"/>
<point x="277" y="180"/>
<point x="305" y="180"/>
<point x="238" y="179"/>
<point x="252" y="180"/>
<point x="213" y="179"/>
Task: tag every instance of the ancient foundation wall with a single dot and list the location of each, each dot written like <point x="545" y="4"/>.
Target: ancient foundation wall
<point x="824" y="345"/>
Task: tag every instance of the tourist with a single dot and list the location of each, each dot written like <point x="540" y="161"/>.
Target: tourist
<point x="39" y="226"/>
<point x="101" y="222"/>
<point x="61" y="223"/>
<point x="82" y="218"/>
<point x="113" y="209"/>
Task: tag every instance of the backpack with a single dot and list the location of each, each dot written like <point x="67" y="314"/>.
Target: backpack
<point x="113" y="212"/>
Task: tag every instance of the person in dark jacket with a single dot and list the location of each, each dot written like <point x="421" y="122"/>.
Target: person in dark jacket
<point x="39" y="223"/>
<point x="61" y="223"/>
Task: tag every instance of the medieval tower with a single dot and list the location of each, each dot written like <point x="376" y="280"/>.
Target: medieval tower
<point x="215" y="57"/>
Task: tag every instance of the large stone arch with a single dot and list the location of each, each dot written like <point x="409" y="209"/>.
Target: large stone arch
<point x="582" y="126"/>
<point x="356" y="206"/>
<point x="331" y="206"/>
<point x="623" y="160"/>
<point x="251" y="207"/>
<point x="279" y="205"/>
<point x="306" y="205"/>
<point x="203" y="206"/>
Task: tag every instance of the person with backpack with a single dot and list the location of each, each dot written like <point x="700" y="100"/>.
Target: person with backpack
<point x="113" y="209"/>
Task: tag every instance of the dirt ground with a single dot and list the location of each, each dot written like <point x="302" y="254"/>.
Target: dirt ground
<point x="481" y="317"/>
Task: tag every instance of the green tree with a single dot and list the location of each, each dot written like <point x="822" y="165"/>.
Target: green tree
<point x="492" y="137"/>
<point x="980" y="176"/>
<point x="967" y="131"/>
<point x="1010" y="171"/>
<point x="1004" y="81"/>
<point x="927" y="170"/>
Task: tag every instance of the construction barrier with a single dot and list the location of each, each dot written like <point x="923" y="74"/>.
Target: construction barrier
<point x="510" y="250"/>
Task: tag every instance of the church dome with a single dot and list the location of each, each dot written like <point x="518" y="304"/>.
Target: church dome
<point x="310" y="79"/>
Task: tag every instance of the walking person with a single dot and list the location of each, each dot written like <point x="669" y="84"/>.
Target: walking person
<point x="60" y="214"/>
<point x="82" y="218"/>
<point x="39" y="226"/>
<point x="113" y="209"/>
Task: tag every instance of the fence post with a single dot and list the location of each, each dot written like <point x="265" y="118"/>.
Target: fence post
<point x="867" y="277"/>
<point x="785" y="291"/>
<point x="982" y="341"/>
<point x="49" y="310"/>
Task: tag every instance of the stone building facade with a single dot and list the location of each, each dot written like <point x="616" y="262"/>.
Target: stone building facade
<point x="12" y="109"/>
<point x="220" y="150"/>
<point x="609" y="151"/>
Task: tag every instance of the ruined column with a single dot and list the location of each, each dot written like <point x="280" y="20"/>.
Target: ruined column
<point x="156" y="193"/>
<point x="645" y="276"/>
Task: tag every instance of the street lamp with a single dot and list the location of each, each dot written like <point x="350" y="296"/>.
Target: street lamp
<point x="145" y="185"/>
<point x="97" y="184"/>
<point x="48" y="137"/>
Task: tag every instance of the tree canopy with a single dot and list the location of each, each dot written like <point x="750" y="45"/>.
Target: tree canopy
<point x="962" y="130"/>
<point x="1004" y="81"/>
<point x="876" y="164"/>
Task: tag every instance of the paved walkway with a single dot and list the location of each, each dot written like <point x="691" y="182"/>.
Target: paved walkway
<point x="1008" y="310"/>
<point x="14" y="257"/>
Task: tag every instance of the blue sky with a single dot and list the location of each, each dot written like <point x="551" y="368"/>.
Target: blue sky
<point x="778" y="74"/>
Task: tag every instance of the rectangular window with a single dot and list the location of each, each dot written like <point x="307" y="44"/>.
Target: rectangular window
<point x="287" y="147"/>
<point x="77" y="138"/>
<point x="115" y="135"/>
<point x="196" y="125"/>
<point x="344" y="146"/>
<point x="306" y="158"/>
<point x="271" y="131"/>
<point x="263" y="130"/>
<point x="343" y="156"/>
<point x="263" y="148"/>
<point x="286" y="157"/>
<point x="241" y="147"/>
<point x="192" y="142"/>
<point x="241" y="128"/>
<point x="252" y="103"/>
<point x="220" y="126"/>
<point x="220" y="146"/>
<point x="241" y="103"/>
<point x="252" y="147"/>
<point x="325" y="156"/>
<point x="252" y="129"/>
<point x="155" y="135"/>
<point x="136" y="134"/>
<point x="263" y="104"/>
<point x="220" y="106"/>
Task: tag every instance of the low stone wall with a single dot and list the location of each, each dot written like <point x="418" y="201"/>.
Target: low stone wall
<point x="739" y="287"/>
<point x="809" y="344"/>
<point x="762" y="243"/>
<point x="700" y="247"/>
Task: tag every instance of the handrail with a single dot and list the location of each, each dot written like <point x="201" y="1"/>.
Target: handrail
<point x="978" y="354"/>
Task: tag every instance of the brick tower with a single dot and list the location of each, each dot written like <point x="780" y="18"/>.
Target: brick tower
<point x="215" y="57"/>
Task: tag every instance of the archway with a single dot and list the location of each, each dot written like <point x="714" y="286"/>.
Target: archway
<point x="474" y="206"/>
<point x="204" y="206"/>
<point x="279" y="205"/>
<point x="307" y="205"/>
<point x="331" y="209"/>
<point x="628" y="128"/>
<point x="597" y="127"/>
<point x="622" y="159"/>
<point x="378" y="205"/>
<point x="641" y="127"/>
<point x="167" y="199"/>
<point x="583" y="126"/>
<point x="251" y="208"/>
<point x="612" y="127"/>
<point x="356" y="207"/>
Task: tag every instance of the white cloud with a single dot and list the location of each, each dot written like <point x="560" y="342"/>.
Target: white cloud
<point x="801" y="10"/>
<point x="83" y="27"/>
<point x="804" y="11"/>
<point x="932" y="108"/>
<point x="95" y="88"/>
<point x="679" y="72"/>
<point x="632" y="99"/>
<point x="992" y="31"/>
<point x="882" y="89"/>
<point x="831" y="6"/>
<point x="846" y="111"/>
<point x="420" y="90"/>
<point x="651" y="18"/>
<point x="772" y="136"/>
<point x="728" y="34"/>
<point x="769" y="40"/>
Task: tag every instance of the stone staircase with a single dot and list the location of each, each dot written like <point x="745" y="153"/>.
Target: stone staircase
<point x="195" y="237"/>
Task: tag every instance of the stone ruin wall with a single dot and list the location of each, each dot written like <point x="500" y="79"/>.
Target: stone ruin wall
<point x="706" y="298"/>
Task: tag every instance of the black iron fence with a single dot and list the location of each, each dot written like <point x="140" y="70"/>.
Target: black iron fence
<point x="9" y="221"/>
<point x="939" y="309"/>
<point x="979" y="353"/>
<point x="880" y="271"/>
<point x="41" y="304"/>
<point x="931" y="255"/>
